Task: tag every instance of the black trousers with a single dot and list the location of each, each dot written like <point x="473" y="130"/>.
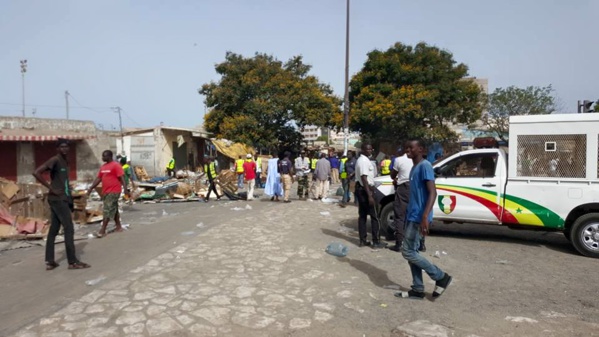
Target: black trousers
<point x="61" y="214"/>
<point x="400" y="206"/>
<point x="364" y="209"/>
<point x="211" y="188"/>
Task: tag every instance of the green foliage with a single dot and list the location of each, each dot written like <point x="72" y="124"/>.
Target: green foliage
<point x="261" y="101"/>
<point x="412" y="92"/>
<point x="513" y="101"/>
<point x="323" y="138"/>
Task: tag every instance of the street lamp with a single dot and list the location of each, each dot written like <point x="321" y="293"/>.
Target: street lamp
<point x="23" y="71"/>
<point x="346" y="95"/>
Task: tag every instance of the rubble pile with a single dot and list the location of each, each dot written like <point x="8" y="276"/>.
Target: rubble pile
<point x="23" y="211"/>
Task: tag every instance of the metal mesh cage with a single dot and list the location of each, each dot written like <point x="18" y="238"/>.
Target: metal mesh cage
<point x="561" y="156"/>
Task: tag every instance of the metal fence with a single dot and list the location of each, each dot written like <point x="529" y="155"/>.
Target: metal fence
<point x="561" y="156"/>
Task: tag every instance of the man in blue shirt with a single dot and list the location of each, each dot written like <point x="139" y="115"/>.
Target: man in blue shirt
<point x="335" y="164"/>
<point x="420" y="214"/>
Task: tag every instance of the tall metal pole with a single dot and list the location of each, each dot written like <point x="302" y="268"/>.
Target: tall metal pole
<point x="23" y="71"/>
<point x="346" y="95"/>
<point x="66" y="98"/>
<point x="118" y="110"/>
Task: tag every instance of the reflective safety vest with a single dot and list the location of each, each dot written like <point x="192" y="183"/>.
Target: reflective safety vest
<point x="212" y="169"/>
<point x="313" y="163"/>
<point x="385" y="167"/>
<point x="259" y="164"/>
<point x="171" y="164"/>
<point x="343" y="174"/>
<point x="239" y="165"/>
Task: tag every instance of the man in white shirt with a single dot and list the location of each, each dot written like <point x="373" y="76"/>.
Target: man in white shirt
<point x="400" y="173"/>
<point x="302" y="168"/>
<point x="365" y="172"/>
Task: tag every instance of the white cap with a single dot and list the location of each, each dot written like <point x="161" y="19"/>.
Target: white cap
<point x="249" y="155"/>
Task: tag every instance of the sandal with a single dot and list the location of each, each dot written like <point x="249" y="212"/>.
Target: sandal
<point x="79" y="265"/>
<point x="51" y="265"/>
<point x="99" y="236"/>
<point x="411" y="294"/>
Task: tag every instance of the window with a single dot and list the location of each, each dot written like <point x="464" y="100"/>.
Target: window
<point x="474" y="165"/>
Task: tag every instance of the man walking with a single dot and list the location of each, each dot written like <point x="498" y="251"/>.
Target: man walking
<point x="348" y="174"/>
<point x="285" y="168"/>
<point x="420" y="214"/>
<point x="334" y="168"/>
<point x="322" y="175"/>
<point x="210" y="170"/>
<point x="401" y="180"/>
<point x="239" y="171"/>
<point x="113" y="183"/>
<point x="60" y="200"/>
<point x="170" y="168"/>
<point x="364" y="193"/>
<point x="302" y="169"/>
<point x="258" y="161"/>
<point x="249" y="168"/>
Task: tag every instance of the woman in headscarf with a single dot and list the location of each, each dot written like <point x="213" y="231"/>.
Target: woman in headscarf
<point x="273" y="186"/>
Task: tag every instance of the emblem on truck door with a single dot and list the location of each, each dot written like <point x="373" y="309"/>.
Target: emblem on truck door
<point x="446" y="203"/>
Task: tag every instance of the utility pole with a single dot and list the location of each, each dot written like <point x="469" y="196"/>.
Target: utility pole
<point x="23" y="71"/>
<point x="118" y="110"/>
<point x="66" y="98"/>
<point x="346" y="96"/>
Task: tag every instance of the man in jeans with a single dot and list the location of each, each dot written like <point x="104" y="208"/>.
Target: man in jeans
<point x="60" y="200"/>
<point x="420" y="214"/>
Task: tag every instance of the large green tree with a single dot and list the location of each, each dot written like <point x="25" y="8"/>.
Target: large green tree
<point x="412" y="92"/>
<point x="264" y="102"/>
<point x="514" y="101"/>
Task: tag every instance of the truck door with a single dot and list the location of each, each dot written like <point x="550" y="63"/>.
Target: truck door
<point x="469" y="188"/>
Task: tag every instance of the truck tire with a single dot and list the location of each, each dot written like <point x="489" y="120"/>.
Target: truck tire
<point x="585" y="235"/>
<point x="568" y="233"/>
<point x="386" y="218"/>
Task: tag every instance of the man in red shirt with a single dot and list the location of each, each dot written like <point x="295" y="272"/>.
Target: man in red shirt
<point x="113" y="182"/>
<point x="249" y="169"/>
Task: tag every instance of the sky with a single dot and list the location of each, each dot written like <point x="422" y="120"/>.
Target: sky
<point x="150" y="57"/>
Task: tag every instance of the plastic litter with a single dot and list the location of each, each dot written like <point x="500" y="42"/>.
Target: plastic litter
<point x="437" y="254"/>
<point x="329" y="200"/>
<point x="200" y="225"/>
<point x="337" y="249"/>
<point x="502" y="262"/>
<point x="188" y="233"/>
<point x="164" y="213"/>
<point x="325" y="213"/>
<point x="91" y="236"/>
<point x="95" y="281"/>
<point x="237" y="209"/>
<point x="248" y="207"/>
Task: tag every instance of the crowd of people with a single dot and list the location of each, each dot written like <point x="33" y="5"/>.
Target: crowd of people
<point x="412" y="175"/>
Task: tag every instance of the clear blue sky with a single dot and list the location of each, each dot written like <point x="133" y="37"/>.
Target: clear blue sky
<point x="150" y="57"/>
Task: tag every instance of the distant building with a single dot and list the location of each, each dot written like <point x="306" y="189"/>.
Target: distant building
<point x="312" y="132"/>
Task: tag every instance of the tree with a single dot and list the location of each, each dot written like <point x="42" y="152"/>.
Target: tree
<point x="263" y="102"/>
<point x="412" y="92"/>
<point x="513" y="101"/>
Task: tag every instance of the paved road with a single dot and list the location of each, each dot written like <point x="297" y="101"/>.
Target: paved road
<point x="263" y="271"/>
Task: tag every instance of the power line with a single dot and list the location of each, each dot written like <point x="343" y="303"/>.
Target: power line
<point x="81" y="105"/>
<point x="51" y="106"/>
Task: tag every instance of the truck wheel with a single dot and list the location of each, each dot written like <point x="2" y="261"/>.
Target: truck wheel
<point x="567" y="233"/>
<point x="386" y="218"/>
<point x="585" y="235"/>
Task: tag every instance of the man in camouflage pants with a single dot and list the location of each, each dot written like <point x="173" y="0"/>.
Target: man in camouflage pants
<point x="302" y="168"/>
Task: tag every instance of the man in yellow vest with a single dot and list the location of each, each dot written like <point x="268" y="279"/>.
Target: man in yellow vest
<point x="311" y="180"/>
<point x="239" y="170"/>
<point x="385" y="166"/>
<point x="258" y="171"/>
<point x="210" y="170"/>
<point x="170" y="168"/>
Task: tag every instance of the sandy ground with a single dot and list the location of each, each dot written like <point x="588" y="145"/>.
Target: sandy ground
<point x="259" y="268"/>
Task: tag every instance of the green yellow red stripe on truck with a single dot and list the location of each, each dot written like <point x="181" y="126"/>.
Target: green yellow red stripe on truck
<point x="515" y="211"/>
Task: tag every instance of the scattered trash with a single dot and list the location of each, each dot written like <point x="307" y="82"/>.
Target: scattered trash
<point x="248" y="207"/>
<point x="437" y="254"/>
<point x="345" y="282"/>
<point x="200" y="225"/>
<point x="95" y="281"/>
<point x="188" y="233"/>
<point x="126" y="226"/>
<point x="444" y="252"/>
<point x="164" y="213"/>
<point x="383" y="305"/>
<point x="337" y="249"/>
<point x="329" y="200"/>
<point x="91" y="236"/>
<point x="325" y="213"/>
<point x="521" y="319"/>
<point x="237" y="209"/>
<point x="502" y="262"/>
<point x="310" y="200"/>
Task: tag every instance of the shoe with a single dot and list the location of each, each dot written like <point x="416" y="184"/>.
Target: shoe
<point x="286" y="201"/>
<point x="272" y="199"/>
<point x="411" y="294"/>
<point x="422" y="247"/>
<point x="79" y="265"/>
<point x="395" y="248"/>
<point x="51" y="265"/>
<point x="364" y="243"/>
<point x="441" y="285"/>
<point x="379" y="244"/>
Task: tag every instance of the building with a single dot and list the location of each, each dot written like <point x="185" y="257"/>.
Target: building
<point x="153" y="148"/>
<point x="337" y="138"/>
<point x="26" y="143"/>
<point x="312" y="132"/>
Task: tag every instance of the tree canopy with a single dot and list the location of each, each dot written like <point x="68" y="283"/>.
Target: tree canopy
<point x="264" y="102"/>
<point x="412" y="92"/>
<point x="514" y="101"/>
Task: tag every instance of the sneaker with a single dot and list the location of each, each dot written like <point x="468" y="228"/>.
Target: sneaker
<point x="365" y="243"/>
<point x="395" y="248"/>
<point x="379" y="245"/>
<point x="422" y="247"/>
<point x="441" y="285"/>
<point x="411" y="294"/>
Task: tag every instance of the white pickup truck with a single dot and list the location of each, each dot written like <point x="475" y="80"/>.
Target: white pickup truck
<point x="550" y="184"/>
